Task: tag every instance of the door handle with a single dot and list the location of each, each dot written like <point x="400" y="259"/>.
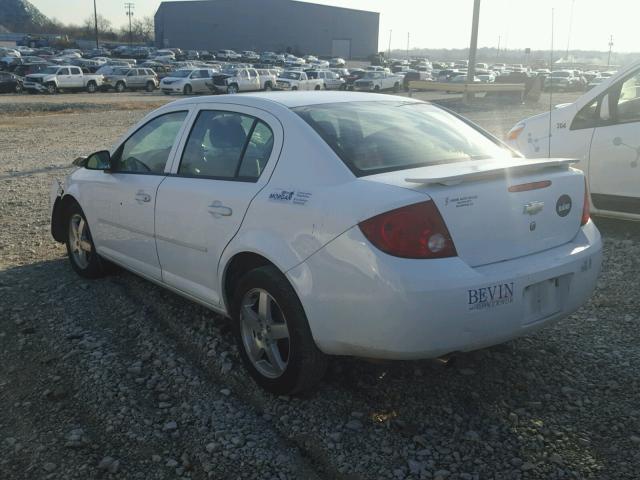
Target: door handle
<point x="217" y="209"/>
<point x="143" y="197"/>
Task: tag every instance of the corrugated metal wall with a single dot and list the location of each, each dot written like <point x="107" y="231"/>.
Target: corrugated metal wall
<point x="263" y="25"/>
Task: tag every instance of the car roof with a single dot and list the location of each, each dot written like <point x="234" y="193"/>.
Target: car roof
<point x="294" y="99"/>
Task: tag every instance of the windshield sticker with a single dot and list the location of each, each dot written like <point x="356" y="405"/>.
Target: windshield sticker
<point x="490" y="297"/>
<point x="290" y="196"/>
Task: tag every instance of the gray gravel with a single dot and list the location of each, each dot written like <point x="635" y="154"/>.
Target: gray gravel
<point x="117" y="378"/>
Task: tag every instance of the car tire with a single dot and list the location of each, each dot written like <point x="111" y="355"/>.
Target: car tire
<point x="376" y="88"/>
<point x="318" y="87"/>
<point x="92" y="87"/>
<point x="52" y="89"/>
<point x="18" y="88"/>
<point x="294" y="88"/>
<point x="150" y="87"/>
<point x="232" y="89"/>
<point x="268" y="87"/>
<point x="120" y="87"/>
<point x="396" y="87"/>
<point x="81" y="250"/>
<point x="285" y="360"/>
<point x="187" y="90"/>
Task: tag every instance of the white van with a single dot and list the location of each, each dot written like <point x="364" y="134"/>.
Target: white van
<point x="601" y="130"/>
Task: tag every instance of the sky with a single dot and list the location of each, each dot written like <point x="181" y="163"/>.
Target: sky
<point x="516" y="24"/>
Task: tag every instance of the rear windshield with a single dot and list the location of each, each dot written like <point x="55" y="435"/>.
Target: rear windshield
<point x="375" y="137"/>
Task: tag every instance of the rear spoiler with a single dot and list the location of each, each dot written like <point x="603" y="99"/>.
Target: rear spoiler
<point x="471" y="171"/>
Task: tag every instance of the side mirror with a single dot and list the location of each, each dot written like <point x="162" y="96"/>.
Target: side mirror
<point x="99" y="161"/>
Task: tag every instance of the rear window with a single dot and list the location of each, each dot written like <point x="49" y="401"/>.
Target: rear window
<point x="375" y="137"/>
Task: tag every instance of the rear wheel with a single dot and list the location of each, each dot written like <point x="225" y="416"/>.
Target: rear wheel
<point x="318" y="87"/>
<point x="273" y="334"/>
<point x="80" y="248"/>
<point x="187" y="90"/>
<point x="120" y="87"/>
<point x="294" y="88"/>
<point x="268" y="87"/>
<point x="92" y="87"/>
<point x="376" y="88"/>
<point x="150" y="87"/>
<point x="396" y="87"/>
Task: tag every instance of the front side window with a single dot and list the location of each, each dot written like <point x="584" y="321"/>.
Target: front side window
<point x="63" y="71"/>
<point x="628" y="109"/>
<point x="374" y="137"/>
<point x="147" y="150"/>
<point x="76" y="71"/>
<point x="226" y="145"/>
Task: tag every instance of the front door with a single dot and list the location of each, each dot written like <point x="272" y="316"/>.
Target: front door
<point x="125" y="197"/>
<point x="200" y="208"/>
<point x="77" y="80"/>
<point x="614" y="169"/>
<point x="64" y="78"/>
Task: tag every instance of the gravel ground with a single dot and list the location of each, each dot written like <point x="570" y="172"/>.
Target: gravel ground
<point x="117" y="378"/>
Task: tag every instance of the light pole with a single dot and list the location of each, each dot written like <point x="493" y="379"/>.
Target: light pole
<point x="473" y="48"/>
<point x="610" y="47"/>
<point x="408" y="39"/>
<point x="130" y="6"/>
<point x="566" y="56"/>
<point x="95" y="16"/>
<point x="389" y="50"/>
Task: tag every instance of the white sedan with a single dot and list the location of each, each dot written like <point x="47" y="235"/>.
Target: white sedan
<point x="601" y="130"/>
<point x="328" y="223"/>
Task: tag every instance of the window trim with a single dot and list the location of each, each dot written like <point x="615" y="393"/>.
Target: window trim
<point x="169" y="162"/>
<point x="236" y="177"/>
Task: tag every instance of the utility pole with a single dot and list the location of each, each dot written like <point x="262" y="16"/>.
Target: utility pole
<point x="389" y="51"/>
<point x="130" y="6"/>
<point x="473" y="48"/>
<point x="566" y="57"/>
<point x="610" y="47"/>
<point x="498" y="53"/>
<point x="408" y="37"/>
<point x="95" y="16"/>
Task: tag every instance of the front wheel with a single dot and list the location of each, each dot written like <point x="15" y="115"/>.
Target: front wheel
<point x="120" y="86"/>
<point x="18" y="88"/>
<point x="396" y="87"/>
<point x="232" y="89"/>
<point x="273" y="334"/>
<point x="51" y="88"/>
<point x="92" y="87"/>
<point x="150" y="87"/>
<point x="187" y="90"/>
<point x="267" y="87"/>
<point x="318" y="87"/>
<point x="80" y="247"/>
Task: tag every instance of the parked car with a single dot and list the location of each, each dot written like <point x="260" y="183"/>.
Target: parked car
<point x="378" y="81"/>
<point x="187" y="81"/>
<point x="601" y="130"/>
<point x="562" y="80"/>
<point x="596" y="81"/>
<point x="294" y="80"/>
<point x="10" y="83"/>
<point x="66" y="77"/>
<point x="249" y="56"/>
<point x="354" y="74"/>
<point x="414" y="75"/>
<point x="331" y="80"/>
<point x="131" y="79"/>
<point x="337" y="62"/>
<point x="227" y="55"/>
<point x="335" y="224"/>
<point x="237" y="80"/>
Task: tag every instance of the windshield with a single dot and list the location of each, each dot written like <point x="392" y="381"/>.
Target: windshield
<point x="373" y="137"/>
<point x="120" y="71"/>
<point x="561" y="74"/>
<point x="291" y="75"/>
<point x="181" y="73"/>
<point x="373" y="75"/>
<point x="50" y="70"/>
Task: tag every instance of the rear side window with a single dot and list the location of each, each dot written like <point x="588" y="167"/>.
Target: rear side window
<point x="226" y="146"/>
<point x="375" y="137"/>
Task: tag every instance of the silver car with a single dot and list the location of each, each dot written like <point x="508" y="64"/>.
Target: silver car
<point x="131" y="78"/>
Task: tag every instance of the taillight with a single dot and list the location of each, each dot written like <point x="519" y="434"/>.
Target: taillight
<point x="414" y="231"/>
<point x="586" y="207"/>
<point x="515" y="132"/>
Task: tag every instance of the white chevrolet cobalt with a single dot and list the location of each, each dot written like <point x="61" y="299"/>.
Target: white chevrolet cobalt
<point x="329" y="223"/>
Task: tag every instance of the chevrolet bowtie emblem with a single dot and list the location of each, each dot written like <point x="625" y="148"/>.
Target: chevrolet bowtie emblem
<point x="533" y="208"/>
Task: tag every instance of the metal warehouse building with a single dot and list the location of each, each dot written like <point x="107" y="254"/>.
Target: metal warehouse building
<point x="267" y="25"/>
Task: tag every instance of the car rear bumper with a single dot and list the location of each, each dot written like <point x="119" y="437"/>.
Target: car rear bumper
<point x="362" y="302"/>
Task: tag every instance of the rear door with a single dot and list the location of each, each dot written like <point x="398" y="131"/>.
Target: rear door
<point x="123" y="200"/>
<point x="254" y="80"/>
<point x="225" y="161"/>
<point x="614" y="158"/>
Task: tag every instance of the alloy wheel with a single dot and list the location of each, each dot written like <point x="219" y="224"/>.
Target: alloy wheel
<point x="79" y="240"/>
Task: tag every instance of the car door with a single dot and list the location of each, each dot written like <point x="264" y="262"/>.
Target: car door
<point x="123" y="199"/>
<point x="198" y="80"/>
<point x="133" y="78"/>
<point x="64" y="78"/>
<point x="76" y="78"/>
<point x="225" y="161"/>
<point x="614" y="157"/>
<point x="254" y="80"/>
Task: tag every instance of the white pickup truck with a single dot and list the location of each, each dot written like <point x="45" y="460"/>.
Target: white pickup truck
<point x="377" y="81"/>
<point x="294" y="80"/>
<point x="66" y="77"/>
<point x="241" y="80"/>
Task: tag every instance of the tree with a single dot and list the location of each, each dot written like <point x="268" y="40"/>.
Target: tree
<point x="143" y="29"/>
<point x="104" y="26"/>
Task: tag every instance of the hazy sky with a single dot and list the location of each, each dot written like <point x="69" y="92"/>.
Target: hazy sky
<point x="446" y="23"/>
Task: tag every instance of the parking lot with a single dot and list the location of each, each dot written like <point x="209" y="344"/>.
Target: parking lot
<point x="118" y="378"/>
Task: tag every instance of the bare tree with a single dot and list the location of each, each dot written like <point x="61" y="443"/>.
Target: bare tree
<point x="104" y="26"/>
<point x="143" y="29"/>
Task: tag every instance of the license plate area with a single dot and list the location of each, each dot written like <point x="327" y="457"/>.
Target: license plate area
<point x="546" y="298"/>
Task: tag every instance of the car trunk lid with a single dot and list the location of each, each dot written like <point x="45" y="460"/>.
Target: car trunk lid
<point x="499" y="210"/>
